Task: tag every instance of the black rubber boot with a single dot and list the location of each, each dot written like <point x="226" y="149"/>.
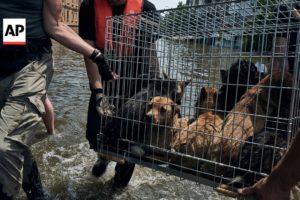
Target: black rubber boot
<point x="123" y="174"/>
<point x="3" y="196"/>
<point x="34" y="188"/>
<point x="99" y="167"/>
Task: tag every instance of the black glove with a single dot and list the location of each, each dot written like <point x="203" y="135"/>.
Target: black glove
<point x="103" y="106"/>
<point x="98" y="58"/>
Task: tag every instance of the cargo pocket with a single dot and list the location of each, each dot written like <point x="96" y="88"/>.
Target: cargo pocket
<point x="37" y="104"/>
<point x="10" y="115"/>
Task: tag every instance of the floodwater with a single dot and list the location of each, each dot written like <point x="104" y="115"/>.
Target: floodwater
<point x="65" y="159"/>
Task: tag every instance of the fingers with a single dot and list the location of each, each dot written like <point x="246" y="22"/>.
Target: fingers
<point x="115" y="76"/>
<point x="247" y="190"/>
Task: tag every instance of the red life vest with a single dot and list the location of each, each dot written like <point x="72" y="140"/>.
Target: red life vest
<point x="126" y="37"/>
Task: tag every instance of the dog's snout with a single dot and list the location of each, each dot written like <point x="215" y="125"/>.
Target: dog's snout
<point x="149" y="117"/>
<point x="183" y="148"/>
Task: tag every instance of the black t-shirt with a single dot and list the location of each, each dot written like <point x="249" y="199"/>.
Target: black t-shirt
<point x="87" y="18"/>
<point x="135" y="64"/>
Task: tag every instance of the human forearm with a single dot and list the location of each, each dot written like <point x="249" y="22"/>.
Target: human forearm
<point x="282" y="179"/>
<point x="92" y="70"/>
<point x="59" y="31"/>
<point x="93" y="73"/>
<point x="67" y="37"/>
<point x="287" y="171"/>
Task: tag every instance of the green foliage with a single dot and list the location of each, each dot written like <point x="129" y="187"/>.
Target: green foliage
<point x="180" y="19"/>
<point x="260" y="39"/>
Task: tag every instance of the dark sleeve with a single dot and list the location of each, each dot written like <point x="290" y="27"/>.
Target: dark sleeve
<point x="152" y="16"/>
<point x="148" y="6"/>
<point x="86" y="27"/>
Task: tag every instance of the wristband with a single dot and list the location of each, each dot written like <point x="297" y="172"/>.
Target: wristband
<point x="95" y="53"/>
<point x="97" y="91"/>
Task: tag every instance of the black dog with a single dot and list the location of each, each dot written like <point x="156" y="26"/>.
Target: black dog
<point x="241" y="75"/>
<point x="259" y="154"/>
<point x="130" y="122"/>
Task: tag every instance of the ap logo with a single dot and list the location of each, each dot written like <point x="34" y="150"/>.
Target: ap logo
<point x="14" y="31"/>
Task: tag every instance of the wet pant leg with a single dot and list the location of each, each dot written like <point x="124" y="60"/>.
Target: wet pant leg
<point x="21" y="101"/>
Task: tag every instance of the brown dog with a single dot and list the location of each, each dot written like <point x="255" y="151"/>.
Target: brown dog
<point x="198" y="138"/>
<point x="162" y="114"/>
<point x="248" y="117"/>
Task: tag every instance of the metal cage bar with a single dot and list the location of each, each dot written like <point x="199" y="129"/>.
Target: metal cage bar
<point x="198" y="95"/>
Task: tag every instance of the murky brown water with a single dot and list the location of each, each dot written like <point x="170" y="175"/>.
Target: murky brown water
<point x="65" y="159"/>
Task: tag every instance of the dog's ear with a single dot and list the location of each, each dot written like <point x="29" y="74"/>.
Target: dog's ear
<point x="223" y="74"/>
<point x="166" y="75"/>
<point x="203" y="94"/>
<point x="149" y="101"/>
<point x="187" y="82"/>
<point x="215" y="95"/>
<point x="181" y="85"/>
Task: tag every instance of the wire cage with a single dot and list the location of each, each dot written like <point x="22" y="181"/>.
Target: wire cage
<point x="200" y="95"/>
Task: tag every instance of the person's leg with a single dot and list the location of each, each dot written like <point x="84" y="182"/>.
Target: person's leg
<point x="48" y="116"/>
<point x="100" y="166"/>
<point x="123" y="174"/>
<point x="11" y="164"/>
<point x="31" y="183"/>
<point x="93" y="123"/>
<point x="92" y="129"/>
<point x="21" y="107"/>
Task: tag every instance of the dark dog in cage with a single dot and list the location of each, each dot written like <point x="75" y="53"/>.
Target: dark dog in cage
<point x="249" y="115"/>
<point x="241" y="75"/>
<point x="131" y="119"/>
<point x="259" y="154"/>
<point x="143" y="81"/>
<point x="197" y="139"/>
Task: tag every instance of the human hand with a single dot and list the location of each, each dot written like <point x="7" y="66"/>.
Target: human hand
<point x="106" y="74"/>
<point x="265" y="190"/>
<point x="103" y="106"/>
<point x="296" y="14"/>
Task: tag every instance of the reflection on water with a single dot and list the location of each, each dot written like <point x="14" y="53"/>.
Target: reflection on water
<point x="65" y="159"/>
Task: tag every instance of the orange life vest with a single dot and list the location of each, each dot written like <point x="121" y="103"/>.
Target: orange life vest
<point x="126" y="37"/>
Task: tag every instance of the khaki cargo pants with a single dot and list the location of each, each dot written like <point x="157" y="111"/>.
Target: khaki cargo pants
<point x="21" y="106"/>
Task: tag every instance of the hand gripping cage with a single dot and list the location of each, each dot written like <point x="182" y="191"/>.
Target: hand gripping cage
<point x="200" y="95"/>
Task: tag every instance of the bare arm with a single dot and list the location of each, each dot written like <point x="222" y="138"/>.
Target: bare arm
<point x="287" y="170"/>
<point x="92" y="69"/>
<point x="58" y="30"/>
<point x="283" y="178"/>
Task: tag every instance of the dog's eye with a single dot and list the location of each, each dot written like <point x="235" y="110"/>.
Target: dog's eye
<point x="253" y="69"/>
<point x="162" y="110"/>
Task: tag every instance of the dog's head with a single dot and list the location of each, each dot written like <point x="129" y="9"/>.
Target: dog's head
<point x="277" y="90"/>
<point x="242" y="72"/>
<point x="179" y="86"/>
<point x="161" y="110"/>
<point x="206" y="100"/>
